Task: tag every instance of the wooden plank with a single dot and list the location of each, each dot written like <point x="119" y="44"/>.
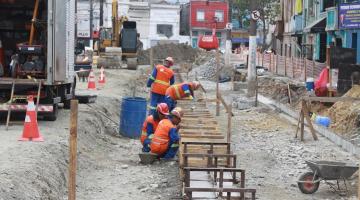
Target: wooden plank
<point x="306" y="114"/>
<point x="224" y="104"/>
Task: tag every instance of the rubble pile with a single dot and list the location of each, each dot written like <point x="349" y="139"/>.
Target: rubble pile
<point x="345" y="115"/>
<point x="180" y="52"/>
<point x="207" y="70"/>
<point x="277" y="89"/>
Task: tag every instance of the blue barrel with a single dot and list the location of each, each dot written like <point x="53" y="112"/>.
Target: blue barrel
<point x="324" y="121"/>
<point x="132" y="116"/>
<point x="310" y="84"/>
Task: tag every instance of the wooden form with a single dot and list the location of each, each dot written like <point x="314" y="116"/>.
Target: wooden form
<point x="218" y="183"/>
<point x="304" y="113"/>
<point x="330" y="99"/>
<point x="73" y="150"/>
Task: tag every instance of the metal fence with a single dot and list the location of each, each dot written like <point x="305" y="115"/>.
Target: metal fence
<point x="296" y="68"/>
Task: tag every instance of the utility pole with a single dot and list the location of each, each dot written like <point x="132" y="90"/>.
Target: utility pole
<point x="91" y="23"/>
<point x="252" y="53"/>
<point x="101" y="13"/>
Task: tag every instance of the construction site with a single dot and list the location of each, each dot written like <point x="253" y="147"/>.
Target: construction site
<point x="116" y="121"/>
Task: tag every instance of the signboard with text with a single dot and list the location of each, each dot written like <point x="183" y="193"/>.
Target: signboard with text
<point x="349" y="16"/>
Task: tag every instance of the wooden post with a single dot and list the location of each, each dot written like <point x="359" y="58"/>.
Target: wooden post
<point x="270" y="67"/>
<point x="217" y="82"/>
<point x="276" y="64"/>
<point x="35" y="14"/>
<point x="73" y="150"/>
<point x="305" y="75"/>
<point x="151" y="58"/>
<point x="229" y="123"/>
<point x="285" y="65"/>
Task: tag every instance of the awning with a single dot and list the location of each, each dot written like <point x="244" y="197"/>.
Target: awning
<point x="316" y="26"/>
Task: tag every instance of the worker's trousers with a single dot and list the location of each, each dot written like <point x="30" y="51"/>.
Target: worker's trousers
<point x="155" y="99"/>
<point x="172" y="150"/>
<point x="170" y="103"/>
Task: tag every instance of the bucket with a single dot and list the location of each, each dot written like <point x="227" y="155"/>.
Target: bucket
<point x="323" y="121"/>
<point x="132" y="116"/>
<point x="309" y="84"/>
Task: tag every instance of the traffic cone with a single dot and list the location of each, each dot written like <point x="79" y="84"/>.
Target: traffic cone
<point x="91" y="81"/>
<point x="102" y="76"/>
<point x="31" y="129"/>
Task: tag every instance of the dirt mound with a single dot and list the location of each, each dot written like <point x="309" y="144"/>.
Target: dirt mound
<point x="345" y="115"/>
<point x="180" y="52"/>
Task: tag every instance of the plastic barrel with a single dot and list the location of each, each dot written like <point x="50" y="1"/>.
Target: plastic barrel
<point x="132" y="116"/>
<point x="324" y="121"/>
<point x="309" y="84"/>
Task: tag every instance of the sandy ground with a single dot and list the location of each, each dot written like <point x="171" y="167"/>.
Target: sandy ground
<point x="108" y="164"/>
<point x="273" y="159"/>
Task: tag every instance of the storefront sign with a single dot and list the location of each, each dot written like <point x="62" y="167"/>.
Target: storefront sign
<point x="349" y="16"/>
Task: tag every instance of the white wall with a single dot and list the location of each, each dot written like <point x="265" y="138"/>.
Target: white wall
<point x="164" y="14"/>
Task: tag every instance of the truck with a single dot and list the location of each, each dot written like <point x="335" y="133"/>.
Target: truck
<point x="38" y="38"/>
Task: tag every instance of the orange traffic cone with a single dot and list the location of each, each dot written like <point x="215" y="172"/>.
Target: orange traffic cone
<point x="102" y="76"/>
<point x="91" y="81"/>
<point x="31" y="129"/>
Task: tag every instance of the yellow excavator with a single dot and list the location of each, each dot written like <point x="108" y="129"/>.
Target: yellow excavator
<point x="118" y="48"/>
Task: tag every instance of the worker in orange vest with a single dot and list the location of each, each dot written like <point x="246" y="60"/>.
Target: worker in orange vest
<point x="180" y="91"/>
<point x="165" y="142"/>
<point x="161" y="78"/>
<point x="150" y="125"/>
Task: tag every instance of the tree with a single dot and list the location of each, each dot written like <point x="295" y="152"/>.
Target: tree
<point x="269" y="10"/>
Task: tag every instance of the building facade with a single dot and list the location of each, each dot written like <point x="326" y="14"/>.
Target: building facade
<point x="206" y="16"/>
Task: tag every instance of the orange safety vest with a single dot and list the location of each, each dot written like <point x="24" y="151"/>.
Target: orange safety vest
<point x="159" y="143"/>
<point x="149" y="119"/>
<point x="176" y="92"/>
<point x="162" y="79"/>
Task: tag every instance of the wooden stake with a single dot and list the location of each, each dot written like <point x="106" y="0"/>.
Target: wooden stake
<point x="73" y="150"/>
<point x="289" y="93"/>
<point x="217" y="82"/>
<point x="229" y="123"/>
<point x="308" y="120"/>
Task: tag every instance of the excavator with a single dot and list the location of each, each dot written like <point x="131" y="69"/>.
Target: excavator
<point x="118" y="44"/>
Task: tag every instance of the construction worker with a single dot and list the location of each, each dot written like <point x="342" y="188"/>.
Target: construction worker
<point x="150" y="125"/>
<point x="165" y="142"/>
<point x="180" y="91"/>
<point x="161" y="78"/>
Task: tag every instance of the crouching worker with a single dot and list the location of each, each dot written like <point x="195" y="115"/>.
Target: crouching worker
<point x="150" y="125"/>
<point x="165" y="142"/>
<point x="180" y="91"/>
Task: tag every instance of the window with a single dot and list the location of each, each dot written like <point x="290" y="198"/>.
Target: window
<point x="200" y="15"/>
<point x="218" y="34"/>
<point x="165" y="29"/>
<point x="219" y="15"/>
<point x="195" y="33"/>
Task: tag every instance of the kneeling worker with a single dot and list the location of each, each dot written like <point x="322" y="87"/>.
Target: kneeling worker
<point x="150" y="125"/>
<point x="165" y="142"/>
<point x="180" y="91"/>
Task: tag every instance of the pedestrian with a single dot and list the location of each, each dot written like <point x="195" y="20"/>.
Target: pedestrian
<point x="162" y="78"/>
<point x="150" y="125"/>
<point x="180" y="91"/>
<point x="165" y="142"/>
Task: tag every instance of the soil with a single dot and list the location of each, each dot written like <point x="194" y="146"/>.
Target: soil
<point x="108" y="164"/>
<point x="273" y="159"/>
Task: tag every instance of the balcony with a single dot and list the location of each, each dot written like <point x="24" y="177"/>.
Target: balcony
<point x="331" y="19"/>
<point x="298" y="24"/>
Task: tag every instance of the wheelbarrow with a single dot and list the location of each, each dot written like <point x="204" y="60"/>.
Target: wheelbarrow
<point x="326" y="171"/>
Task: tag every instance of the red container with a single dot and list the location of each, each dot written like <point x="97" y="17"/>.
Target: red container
<point x="208" y="42"/>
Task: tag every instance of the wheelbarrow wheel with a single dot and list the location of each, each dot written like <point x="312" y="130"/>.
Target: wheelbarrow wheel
<point x="306" y="184"/>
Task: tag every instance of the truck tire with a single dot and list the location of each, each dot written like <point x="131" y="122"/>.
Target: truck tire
<point x="53" y="115"/>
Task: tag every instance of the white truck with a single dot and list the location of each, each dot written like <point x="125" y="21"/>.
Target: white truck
<point x="38" y="38"/>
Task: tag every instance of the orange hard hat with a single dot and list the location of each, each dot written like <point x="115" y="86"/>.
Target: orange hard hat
<point x="177" y="112"/>
<point x="170" y="59"/>
<point x="163" y="108"/>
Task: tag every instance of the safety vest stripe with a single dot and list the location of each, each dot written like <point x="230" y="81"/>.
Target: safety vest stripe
<point x="151" y="77"/>
<point x="162" y="82"/>
<point x="160" y="139"/>
<point x="174" y="145"/>
<point x="151" y="136"/>
<point x="177" y="91"/>
<point x="152" y="107"/>
<point x="144" y="133"/>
